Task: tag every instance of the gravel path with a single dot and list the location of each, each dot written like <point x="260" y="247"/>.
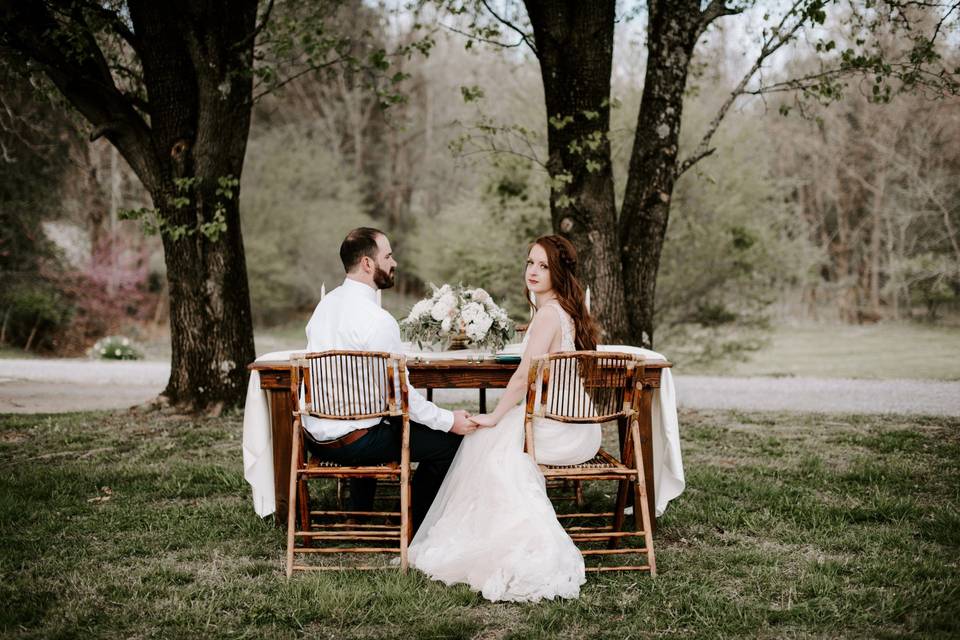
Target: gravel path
<point x="28" y="386"/>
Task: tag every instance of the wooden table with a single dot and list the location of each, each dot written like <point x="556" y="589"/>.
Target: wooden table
<point x="437" y="374"/>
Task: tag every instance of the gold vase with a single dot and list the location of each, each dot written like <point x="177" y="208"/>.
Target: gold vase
<point x="458" y="342"/>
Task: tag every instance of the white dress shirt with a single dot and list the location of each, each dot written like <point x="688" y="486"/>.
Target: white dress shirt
<point x="349" y="318"/>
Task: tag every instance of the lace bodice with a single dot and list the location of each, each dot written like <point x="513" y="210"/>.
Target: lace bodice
<point x="568" y="340"/>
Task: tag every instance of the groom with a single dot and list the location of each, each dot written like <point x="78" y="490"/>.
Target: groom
<point x="349" y="318"/>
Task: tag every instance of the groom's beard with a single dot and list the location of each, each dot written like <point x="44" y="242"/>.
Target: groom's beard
<point x="383" y="279"/>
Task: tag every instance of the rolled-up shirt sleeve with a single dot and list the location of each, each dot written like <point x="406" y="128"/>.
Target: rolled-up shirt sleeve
<point x="387" y="338"/>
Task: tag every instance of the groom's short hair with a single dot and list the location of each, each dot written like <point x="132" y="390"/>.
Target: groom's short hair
<point x="360" y="242"/>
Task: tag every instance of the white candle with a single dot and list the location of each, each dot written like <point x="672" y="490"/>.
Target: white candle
<point x="586" y="299"/>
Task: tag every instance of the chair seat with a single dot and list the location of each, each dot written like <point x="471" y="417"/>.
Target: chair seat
<point x="316" y="466"/>
<point x="601" y="463"/>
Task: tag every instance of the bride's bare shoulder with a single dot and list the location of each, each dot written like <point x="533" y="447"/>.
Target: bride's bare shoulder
<point x="546" y="319"/>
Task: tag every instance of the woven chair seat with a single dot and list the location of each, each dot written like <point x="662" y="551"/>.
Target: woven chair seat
<point x="315" y="463"/>
<point x="601" y="461"/>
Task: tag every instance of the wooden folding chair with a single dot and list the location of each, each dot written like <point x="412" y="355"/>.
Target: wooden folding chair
<point x="588" y="387"/>
<point x="347" y="385"/>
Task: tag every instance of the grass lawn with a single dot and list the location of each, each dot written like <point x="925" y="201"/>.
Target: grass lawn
<point x="791" y="526"/>
<point x="878" y="351"/>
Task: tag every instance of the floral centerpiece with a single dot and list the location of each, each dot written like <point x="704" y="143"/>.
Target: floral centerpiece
<point x="461" y="317"/>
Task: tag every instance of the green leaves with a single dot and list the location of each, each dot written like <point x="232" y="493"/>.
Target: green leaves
<point x="153" y="222"/>
<point x="471" y="93"/>
<point x="558" y="121"/>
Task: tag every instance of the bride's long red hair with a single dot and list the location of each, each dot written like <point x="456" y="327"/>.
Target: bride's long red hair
<point x="562" y="262"/>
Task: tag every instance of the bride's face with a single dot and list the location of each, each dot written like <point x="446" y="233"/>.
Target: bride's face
<point x="538" y="271"/>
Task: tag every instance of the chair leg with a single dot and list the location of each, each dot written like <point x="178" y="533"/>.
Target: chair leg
<point x="292" y="498"/>
<point x="578" y="488"/>
<point x="406" y="521"/>
<point x="641" y="508"/>
<point x="303" y="500"/>
<point x="623" y="487"/>
<point x="641" y="514"/>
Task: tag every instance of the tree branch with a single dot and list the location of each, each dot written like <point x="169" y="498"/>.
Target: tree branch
<point x="299" y="74"/>
<point x="778" y="37"/>
<point x="264" y="20"/>
<point x="474" y="36"/>
<point x="83" y="77"/>
<point x="510" y="25"/>
<point x="716" y="9"/>
<point x="116" y="23"/>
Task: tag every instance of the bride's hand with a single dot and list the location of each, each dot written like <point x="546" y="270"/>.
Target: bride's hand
<point x="483" y="420"/>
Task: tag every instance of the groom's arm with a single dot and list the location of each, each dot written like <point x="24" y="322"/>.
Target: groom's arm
<point x="387" y="338"/>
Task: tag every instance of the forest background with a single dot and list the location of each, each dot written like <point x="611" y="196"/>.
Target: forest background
<point x="835" y="213"/>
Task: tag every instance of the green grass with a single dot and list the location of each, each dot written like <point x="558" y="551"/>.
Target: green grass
<point x="879" y="351"/>
<point x="792" y="525"/>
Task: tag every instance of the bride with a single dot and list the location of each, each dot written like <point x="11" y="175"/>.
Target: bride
<point x="491" y="525"/>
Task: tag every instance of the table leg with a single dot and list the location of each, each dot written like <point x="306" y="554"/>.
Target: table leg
<point x="430" y="394"/>
<point x="281" y="427"/>
<point x="483" y="400"/>
<point x="646" y="447"/>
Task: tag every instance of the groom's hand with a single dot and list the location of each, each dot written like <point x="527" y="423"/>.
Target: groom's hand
<point x="461" y="423"/>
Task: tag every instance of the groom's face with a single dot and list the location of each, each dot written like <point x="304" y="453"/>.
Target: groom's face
<point x="384" y="266"/>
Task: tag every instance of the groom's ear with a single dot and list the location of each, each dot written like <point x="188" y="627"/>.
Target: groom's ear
<point x="367" y="264"/>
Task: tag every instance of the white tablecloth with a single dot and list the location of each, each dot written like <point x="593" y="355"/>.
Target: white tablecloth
<point x="258" y="439"/>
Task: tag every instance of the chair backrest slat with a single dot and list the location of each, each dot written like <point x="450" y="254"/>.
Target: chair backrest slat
<point x="585" y="386"/>
<point x="346" y="385"/>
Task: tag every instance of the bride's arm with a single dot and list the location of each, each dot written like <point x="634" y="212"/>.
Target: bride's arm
<point x="542" y="331"/>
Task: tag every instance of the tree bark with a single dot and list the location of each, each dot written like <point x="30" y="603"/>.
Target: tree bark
<point x="672" y="33"/>
<point x="201" y="91"/>
<point x="574" y="42"/>
<point x="187" y="149"/>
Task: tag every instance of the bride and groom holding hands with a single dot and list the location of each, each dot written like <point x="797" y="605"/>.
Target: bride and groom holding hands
<point x="481" y="514"/>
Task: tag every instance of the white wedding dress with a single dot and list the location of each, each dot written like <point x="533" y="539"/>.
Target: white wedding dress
<point x="491" y="525"/>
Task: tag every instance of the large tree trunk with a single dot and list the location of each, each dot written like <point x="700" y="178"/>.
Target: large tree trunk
<point x="185" y="141"/>
<point x="672" y="33"/>
<point x="574" y="42"/>
<point x="200" y="90"/>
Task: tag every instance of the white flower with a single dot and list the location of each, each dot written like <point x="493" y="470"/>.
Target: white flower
<point x="449" y="299"/>
<point x="116" y="352"/>
<point x="477" y="330"/>
<point x="481" y="296"/>
<point x="419" y="310"/>
<point x="471" y="311"/>
<point x="126" y="342"/>
<point x="441" y="310"/>
<point x="445" y="325"/>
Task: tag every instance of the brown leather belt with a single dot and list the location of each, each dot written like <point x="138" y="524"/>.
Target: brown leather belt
<point x="342" y="441"/>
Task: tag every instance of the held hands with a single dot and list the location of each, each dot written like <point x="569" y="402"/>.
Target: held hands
<point x="462" y="423"/>
<point x="484" y="420"/>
